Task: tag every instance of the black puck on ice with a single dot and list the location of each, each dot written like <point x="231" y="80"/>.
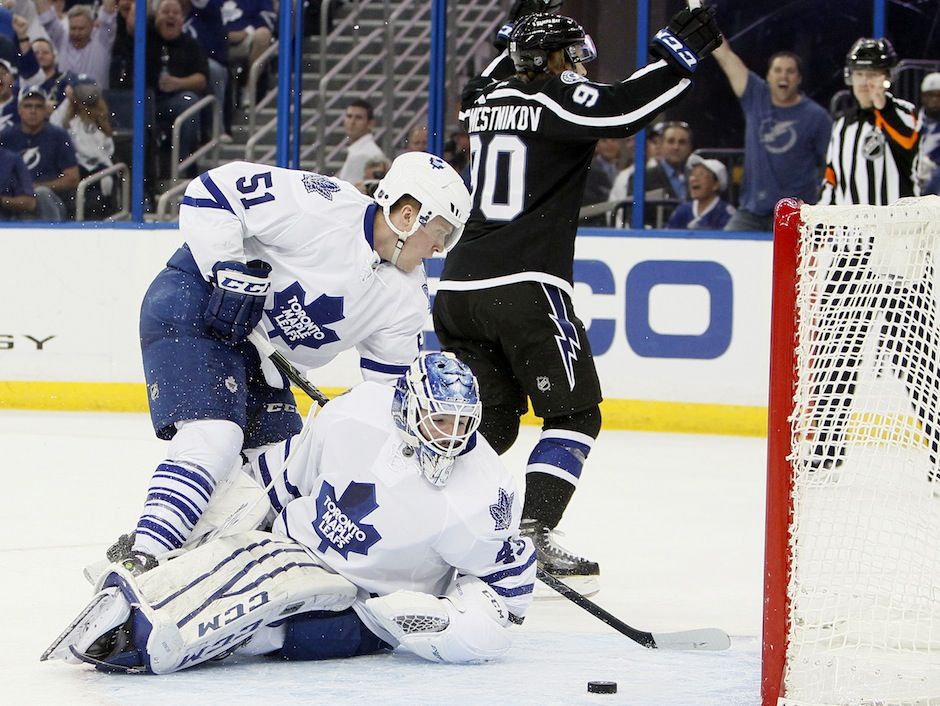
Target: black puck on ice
<point x="602" y="687"/>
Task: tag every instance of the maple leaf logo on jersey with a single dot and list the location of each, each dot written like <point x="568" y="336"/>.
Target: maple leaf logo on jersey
<point x="501" y="510"/>
<point x="339" y="522"/>
<point x="302" y="324"/>
<point x="319" y="184"/>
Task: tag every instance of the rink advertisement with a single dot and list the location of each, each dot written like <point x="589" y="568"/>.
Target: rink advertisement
<point x="679" y="326"/>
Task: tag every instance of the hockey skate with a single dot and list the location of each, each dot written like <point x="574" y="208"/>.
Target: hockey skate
<point x="577" y="572"/>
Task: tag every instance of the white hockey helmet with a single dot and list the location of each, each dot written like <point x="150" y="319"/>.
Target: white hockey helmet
<point x="434" y="184"/>
<point x="437" y="410"/>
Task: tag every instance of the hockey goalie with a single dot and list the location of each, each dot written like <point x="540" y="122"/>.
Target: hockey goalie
<point x="393" y="523"/>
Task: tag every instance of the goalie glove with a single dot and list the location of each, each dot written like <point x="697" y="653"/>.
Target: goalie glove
<point x="237" y="300"/>
<point x="690" y="36"/>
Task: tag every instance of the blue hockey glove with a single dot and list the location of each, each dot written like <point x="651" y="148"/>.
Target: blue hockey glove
<point x="690" y="36"/>
<point x="237" y="300"/>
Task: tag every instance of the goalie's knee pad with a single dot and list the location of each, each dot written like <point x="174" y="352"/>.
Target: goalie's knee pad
<point x="469" y="624"/>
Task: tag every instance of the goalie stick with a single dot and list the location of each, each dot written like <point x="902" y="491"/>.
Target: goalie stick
<point x="700" y="639"/>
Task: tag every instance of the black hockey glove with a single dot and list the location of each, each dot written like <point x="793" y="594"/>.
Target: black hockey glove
<point x="690" y="36"/>
<point x="237" y="299"/>
<point x="521" y="8"/>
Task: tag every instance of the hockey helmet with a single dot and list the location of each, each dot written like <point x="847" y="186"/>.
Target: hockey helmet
<point x="521" y="8"/>
<point x="436" y="407"/>
<point x="534" y="37"/>
<point x="435" y="185"/>
<point x="868" y="53"/>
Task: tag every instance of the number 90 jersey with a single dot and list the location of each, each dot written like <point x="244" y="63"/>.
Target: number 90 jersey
<point x="329" y="290"/>
<point x="531" y="145"/>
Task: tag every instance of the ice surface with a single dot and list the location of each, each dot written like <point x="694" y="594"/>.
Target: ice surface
<point x="676" y="522"/>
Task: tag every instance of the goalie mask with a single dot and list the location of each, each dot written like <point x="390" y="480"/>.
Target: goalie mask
<point x="875" y="54"/>
<point x="435" y="185"/>
<point x="437" y="410"/>
<point x="536" y="36"/>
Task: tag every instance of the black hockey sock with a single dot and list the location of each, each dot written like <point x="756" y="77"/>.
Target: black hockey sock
<point x="546" y="498"/>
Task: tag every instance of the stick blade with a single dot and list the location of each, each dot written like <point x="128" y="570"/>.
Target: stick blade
<point x="710" y="639"/>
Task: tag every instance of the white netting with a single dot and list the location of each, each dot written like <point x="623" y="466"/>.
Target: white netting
<point x="864" y="590"/>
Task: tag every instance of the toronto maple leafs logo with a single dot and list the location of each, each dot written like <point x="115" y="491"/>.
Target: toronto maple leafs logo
<point x="339" y="522"/>
<point x="501" y="510"/>
<point x="437" y="162"/>
<point x="319" y="184"/>
<point x="302" y="324"/>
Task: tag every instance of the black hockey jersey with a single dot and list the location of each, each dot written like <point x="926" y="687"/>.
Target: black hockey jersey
<point x="531" y="146"/>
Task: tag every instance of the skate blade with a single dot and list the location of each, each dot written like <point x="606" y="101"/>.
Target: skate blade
<point x="58" y="649"/>
<point x="585" y="585"/>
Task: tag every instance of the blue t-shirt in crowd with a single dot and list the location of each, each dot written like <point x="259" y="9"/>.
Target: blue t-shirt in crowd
<point x="715" y="218"/>
<point x="204" y="24"/>
<point x="14" y="177"/>
<point x="784" y="148"/>
<point x="47" y="153"/>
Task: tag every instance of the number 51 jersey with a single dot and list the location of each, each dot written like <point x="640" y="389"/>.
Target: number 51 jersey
<point x="329" y="289"/>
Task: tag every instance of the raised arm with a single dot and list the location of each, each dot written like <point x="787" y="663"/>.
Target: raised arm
<point x="733" y="67"/>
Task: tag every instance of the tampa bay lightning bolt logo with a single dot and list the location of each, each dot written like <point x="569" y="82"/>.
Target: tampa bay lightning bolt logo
<point x="339" y="521"/>
<point x="501" y="510"/>
<point x="568" y="342"/>
<point x="302" y="324"/>
<point x="319" y="184"/>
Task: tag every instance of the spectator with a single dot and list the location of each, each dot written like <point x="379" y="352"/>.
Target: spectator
<point x="457" y="154"/>
<point x="16" y="188"/>
<point x="785" y="136"/>
<point x="86" y="47"/>
<point x="178" y="73"/>
<point x="84" y="114"/>
<point x="417" y="140"/>
<point x="204" y="24"/>
<point x="32" y="28"/>
<point x="8" y="114"/>
<point x="928" y="155"/>
<point x="605" y="165"/>
<point x="705" y="210"/>
<point x="50" y="78"/>
<point x="361" y="146"/>
<point x="121" y="69"/>
<point x="666" y="180"/>
<point x="375" y="170"/>
<point x="250" y="27"/>
<point x="618" y="192"/>
<point x="48" y="154"/>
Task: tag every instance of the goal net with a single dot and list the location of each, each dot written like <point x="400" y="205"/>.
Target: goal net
<point x="852" y="567"/>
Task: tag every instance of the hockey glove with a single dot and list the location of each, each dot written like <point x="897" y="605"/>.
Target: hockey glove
<point x="237" y="300"/>
<point x="690" y="36"/>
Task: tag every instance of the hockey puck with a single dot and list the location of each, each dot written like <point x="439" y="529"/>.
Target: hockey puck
<point x="602" y="687"/>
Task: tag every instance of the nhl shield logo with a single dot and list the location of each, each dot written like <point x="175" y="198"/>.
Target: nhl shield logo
<point x="543" y="383"/>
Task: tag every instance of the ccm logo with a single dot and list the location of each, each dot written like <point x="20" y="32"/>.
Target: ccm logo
<point x="678" y="48"/>
<point x="237" y="282"/>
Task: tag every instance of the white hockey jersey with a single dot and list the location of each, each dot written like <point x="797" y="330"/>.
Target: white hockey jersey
<point x="329" y="289"/>
<point x="354" y="494"/>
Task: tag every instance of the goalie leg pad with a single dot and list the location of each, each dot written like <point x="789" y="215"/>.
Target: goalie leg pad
<point x="469" y="624"/>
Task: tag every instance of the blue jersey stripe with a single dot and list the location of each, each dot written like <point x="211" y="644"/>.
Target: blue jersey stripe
<point x="216" y="193"/>
<point x="512" y="571"/>
<point x="378" y="367"/>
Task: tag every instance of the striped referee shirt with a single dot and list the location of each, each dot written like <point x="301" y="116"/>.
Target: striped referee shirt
<point x="871" y="155"/>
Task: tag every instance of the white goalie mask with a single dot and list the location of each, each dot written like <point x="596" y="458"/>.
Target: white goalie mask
<point x="437" y="410"/>
<point x="435" y="185"/>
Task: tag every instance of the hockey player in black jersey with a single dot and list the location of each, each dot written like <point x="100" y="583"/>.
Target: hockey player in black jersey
<point x="504" y="300"/>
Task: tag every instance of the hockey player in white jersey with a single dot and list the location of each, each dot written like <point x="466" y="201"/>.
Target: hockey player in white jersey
<point x="410" y="525"/>
<point x="322" y="267"/>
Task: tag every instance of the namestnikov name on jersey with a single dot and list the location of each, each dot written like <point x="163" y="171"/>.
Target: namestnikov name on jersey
<point x="329" y="290"/>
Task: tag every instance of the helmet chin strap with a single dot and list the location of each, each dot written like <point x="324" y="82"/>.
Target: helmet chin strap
<point x="402" y="235"/>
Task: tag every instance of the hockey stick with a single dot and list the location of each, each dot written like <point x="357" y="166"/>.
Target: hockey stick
<point x="701" y="639"/>
<point x="267" y="349"/>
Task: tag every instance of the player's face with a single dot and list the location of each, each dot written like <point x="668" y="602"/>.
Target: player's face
<point x="424" y="243"/>
<point x="867" y="84"/>
<point x="783" y="76"/>
<point x="442" y="427"/>
<point x="79" y="31"/>
<point x="356" y="123"/>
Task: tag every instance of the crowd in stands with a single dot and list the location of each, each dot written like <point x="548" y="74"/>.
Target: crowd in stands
<point x="61" y="59"/>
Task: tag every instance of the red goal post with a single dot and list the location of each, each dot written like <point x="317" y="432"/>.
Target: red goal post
<point x="852" y="552"/>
